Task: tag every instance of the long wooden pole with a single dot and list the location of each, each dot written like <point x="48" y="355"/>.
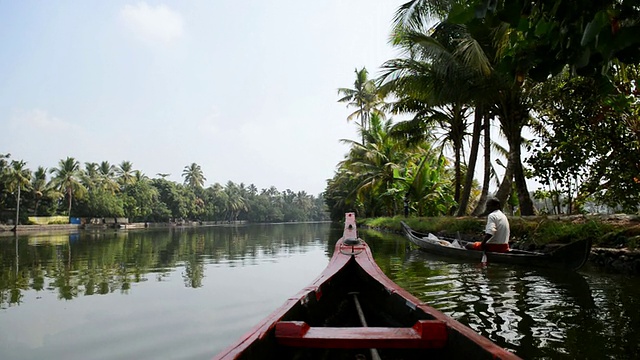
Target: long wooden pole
<point x="363" y="321"/>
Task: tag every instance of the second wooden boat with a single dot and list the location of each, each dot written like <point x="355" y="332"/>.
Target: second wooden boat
<point x="569" y="257"/>
<point x="354" y="311"/>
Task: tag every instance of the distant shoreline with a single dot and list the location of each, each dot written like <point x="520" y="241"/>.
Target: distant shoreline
<point x="7" y="230"/>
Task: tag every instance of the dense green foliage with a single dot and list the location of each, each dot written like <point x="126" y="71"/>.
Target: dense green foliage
<point x="378" y="175"/>
<point x="590" y="143"/>
<point x="104" y="190"/>
<point x="566" y="71"/>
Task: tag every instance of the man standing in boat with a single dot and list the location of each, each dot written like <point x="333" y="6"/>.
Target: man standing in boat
<point x="496" y="232"/>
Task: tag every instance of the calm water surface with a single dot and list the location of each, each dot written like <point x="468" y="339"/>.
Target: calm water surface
<point x="188" y="293"/>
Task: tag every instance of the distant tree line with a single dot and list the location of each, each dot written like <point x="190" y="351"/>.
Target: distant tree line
<point x="98" y="190"/>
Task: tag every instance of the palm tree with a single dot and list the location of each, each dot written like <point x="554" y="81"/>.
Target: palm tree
<point x="107" y="176"/>
<point x="18" y="177"/>
<point x="90" y="177"/>
<point x="138" y="176"/>
<point x="375" y="164"/>
<point x="440" y="79"/>
<point x="364" y="97"/>
<point x="4" y="168"/>
<point x="485" y="48"/>
<point x="235" y="202"/>
<point x="486" y="178"/>
<point x="39" y="186"/>
<point x="218" y="199"/>
<point x="427" y="185"/>
<point x="252" y="190"/>
<point x="66" y="179"/>
<point x="340" y="196"/>
<point x="125" y="173"/>
<point x="304" y="202"/>
<point x="193" y="176"/>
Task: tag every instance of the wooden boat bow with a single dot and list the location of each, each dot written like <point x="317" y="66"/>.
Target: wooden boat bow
<point x="326" y="320"/>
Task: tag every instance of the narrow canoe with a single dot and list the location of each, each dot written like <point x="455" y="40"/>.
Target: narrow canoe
<point x="568" y="257"/>
<point x="354" y="311"/>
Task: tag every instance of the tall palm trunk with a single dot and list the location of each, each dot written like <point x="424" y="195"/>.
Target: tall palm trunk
<point x="70" y="193"/>
<point x="526" y="205"/>
<point x="457" y="136"/>
<point x="504" y="190"/>
<point x="512" y="128"/>
<point x="487" y="167"/>
<point x="513" y="115"/>
<point x="471" y="166"/>
<point x="17" y="208"/>
<point x="363" y="126"/>
<point x="37" y="204"/>
<point x="458" y="169"/>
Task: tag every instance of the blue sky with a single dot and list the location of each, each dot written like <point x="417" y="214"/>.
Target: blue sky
<point x="246" y="89"/>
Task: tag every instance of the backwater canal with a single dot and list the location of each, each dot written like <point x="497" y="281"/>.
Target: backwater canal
<point x="187" y="293"/>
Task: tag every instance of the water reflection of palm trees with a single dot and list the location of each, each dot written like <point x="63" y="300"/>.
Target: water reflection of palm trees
<point x="103" y="262"/>
<point x="12" y="280"/>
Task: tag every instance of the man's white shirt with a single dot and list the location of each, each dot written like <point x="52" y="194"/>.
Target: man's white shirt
<point x="498" y="227"/>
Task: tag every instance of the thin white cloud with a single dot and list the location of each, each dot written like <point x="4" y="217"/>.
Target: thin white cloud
<point x="154" y="24"/>
<point x="38" y="120"/>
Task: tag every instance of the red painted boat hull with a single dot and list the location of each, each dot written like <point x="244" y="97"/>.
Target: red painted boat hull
<point x="325" y="319"/>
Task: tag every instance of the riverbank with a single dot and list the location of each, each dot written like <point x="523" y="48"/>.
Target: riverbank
<point x="8" y="230"/>
<point x="615" y="238"/>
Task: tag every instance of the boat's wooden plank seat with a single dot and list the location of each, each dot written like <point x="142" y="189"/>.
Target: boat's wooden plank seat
<point x="424" y="334"/>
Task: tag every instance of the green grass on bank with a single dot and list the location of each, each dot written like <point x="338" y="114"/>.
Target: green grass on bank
<point x="535" y="230"/>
